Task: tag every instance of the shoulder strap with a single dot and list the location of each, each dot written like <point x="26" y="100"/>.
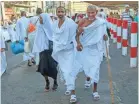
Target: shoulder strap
<point x="36" y="21"/>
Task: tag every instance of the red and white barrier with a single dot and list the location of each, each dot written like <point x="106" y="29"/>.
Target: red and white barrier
<point x="119" y="33"/>
<point x="124" y="37"/>
<point x="112" y="28"/>
<point x="133" y="48"/>
<point x="115" y="30"/>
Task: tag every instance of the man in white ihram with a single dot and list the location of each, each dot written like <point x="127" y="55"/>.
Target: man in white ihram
<point x="90" y="36"/>
<point x="21" y="31"/>
<point x="63" y="50"/>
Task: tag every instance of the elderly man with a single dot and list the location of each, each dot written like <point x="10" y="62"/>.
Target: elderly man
<point x="90" y="36"/>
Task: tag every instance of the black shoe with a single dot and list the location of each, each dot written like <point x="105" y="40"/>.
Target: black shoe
<point x="55" y="86"/>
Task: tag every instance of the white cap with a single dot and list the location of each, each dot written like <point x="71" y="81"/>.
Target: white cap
<point x="126" y="6"/>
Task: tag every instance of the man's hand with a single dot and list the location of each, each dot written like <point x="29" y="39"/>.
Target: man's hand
<point x="80" y="30"/>
<point x="2" y="49"/>
<point x="79" y="47"/>
<point x="105" y="37"/>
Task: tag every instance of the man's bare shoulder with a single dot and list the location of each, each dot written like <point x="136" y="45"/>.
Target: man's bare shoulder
<point x="82" y="21"/>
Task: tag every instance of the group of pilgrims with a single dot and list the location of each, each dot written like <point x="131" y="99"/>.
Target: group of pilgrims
<point x="66" y="47"/>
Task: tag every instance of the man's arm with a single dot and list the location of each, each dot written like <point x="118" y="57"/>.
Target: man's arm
<point x="17" y="31"/>
<point x="79" y="30"/>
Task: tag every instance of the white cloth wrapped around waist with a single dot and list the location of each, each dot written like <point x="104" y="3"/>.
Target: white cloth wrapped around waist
<point x="61" y="48"/>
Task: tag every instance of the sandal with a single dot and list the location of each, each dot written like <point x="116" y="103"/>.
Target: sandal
<point x="67" y="92"/>
<point x="73" y="99"/>
<point x="96" y="96"/>
<point x="29" y="63"/>
<point x="87" y="84"/>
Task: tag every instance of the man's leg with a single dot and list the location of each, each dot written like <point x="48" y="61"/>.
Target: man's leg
<point x="71" y="87"/>
<point x="32" y="56"/>
<point x="87" y="82"/>
<point x="55" y="85"/>
<point x="94" y="88"/>
<point x="88" y="78"/>
<point x="37" y="59"/>
<point x="47" y="83"/>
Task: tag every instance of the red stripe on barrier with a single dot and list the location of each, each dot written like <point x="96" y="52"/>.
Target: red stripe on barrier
<point x="115" y="22"/>
<point x="112" y="21"/>
<point x="125" y="24"/>
<point x="119" y="23"/>
<point x="119" y="39"/>
<point x="115" y="34"/>
<point x="108" y="19"/>
<point x="134" y="27"/>
<point x="133" y="52"/>
<point x="124" y="42"/>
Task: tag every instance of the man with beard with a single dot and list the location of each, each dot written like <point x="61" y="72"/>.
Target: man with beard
<point x="63" y="50"/>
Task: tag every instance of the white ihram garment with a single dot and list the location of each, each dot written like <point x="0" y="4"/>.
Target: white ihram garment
<point x="91" y="56"/>
<point x="3" y="61"/>
<point x="63" y="51"/>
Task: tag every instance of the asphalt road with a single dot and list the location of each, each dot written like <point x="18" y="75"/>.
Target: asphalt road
<point x="23" y="85"/>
